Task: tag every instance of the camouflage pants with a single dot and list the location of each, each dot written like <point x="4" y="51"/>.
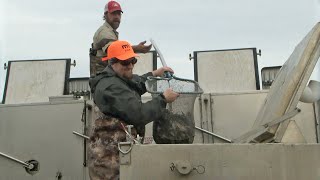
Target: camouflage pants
<point x="103" y="153"/>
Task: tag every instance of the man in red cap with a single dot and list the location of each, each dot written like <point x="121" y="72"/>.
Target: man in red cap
<point x="106" y="34"/>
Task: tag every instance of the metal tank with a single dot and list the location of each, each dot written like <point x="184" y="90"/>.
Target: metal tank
<point x="276" y="121"/>
<point x="45" y="137"/>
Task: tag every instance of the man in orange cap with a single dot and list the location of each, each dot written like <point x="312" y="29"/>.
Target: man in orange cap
<point x="106" y="34"/>
<point x="117" y="95"/>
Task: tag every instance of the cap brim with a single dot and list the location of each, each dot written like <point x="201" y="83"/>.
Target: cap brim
<point x="105" y="58"/>
<point x="113" y="10"/>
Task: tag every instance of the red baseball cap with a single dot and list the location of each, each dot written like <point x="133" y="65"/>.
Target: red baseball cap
<point x="121" y="50"/>
<point x="112" y="6"/>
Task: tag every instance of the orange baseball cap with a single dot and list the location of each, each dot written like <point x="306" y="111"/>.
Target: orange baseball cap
<point x="121" y="50"/>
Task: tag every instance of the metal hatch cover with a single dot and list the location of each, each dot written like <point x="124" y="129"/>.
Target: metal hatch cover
<point x="287" y="88"/>
<point x="30" y="81"/>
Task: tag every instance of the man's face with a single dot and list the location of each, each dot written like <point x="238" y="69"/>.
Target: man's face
<point x="114" y="19"/>
<point x="124" y="71"/>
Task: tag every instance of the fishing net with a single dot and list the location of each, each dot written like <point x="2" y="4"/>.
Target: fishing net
<point x="157" y="85"/>
<point x="177" y="123"/>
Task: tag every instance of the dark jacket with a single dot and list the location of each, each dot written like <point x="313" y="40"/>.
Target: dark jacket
<point x="121" y="97"/>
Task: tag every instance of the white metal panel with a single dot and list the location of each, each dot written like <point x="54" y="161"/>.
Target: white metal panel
<point x="226" y="70"/>
<point x="145" y="63"/>
<point x="234" y="114"/>
<point x="306" y="121"/>
<point x="42" y="132"/>
<point x="35" y="81"/>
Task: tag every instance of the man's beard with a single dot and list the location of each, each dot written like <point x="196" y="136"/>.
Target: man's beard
<point x="115" y="25"/>
<point x="128" y="76"/>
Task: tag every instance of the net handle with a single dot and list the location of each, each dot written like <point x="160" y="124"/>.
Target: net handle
<point x="167" y="74"/>
<point x="159" y="52"/>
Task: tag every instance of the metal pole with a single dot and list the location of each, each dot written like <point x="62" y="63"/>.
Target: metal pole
<point x="159" y="53"/>
<point x="81" y="135"/>
<point x="212" y="134"/>
<point x="84" y="116"/>
<point x="27" y="165"/>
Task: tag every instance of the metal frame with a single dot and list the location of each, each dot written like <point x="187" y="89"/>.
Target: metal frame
<point x="316" y="106"/>
<point x="70" y="80"/>
<point x="268" y="68"/>
<point x="66" y="87"/>
<point x="255" y="62"/>
<point x="154" y="57"/>
<point x="79" y="78"/>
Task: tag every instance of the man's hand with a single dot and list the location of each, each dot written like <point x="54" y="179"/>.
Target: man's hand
<point x="141" y="48"/>
<point x="160" y="71"/>
<point x="170" y="95"/>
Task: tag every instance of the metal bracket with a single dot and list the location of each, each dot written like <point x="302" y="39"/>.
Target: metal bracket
<point x="59" y="175"/>
<point x="124" y="144"/>
<point x="125" y="155"/>
<point x="184" y="167"/>
<point x="190" y="57"/>
<point x="35" y="167"/>
<point x="74" y="63"/>
<point x="259" y="53"/>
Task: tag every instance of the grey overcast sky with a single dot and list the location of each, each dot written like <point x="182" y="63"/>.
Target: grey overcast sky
<point x="43" y="29"/>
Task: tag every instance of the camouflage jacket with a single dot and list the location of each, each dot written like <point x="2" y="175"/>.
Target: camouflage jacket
<point x="121" y="98"/>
